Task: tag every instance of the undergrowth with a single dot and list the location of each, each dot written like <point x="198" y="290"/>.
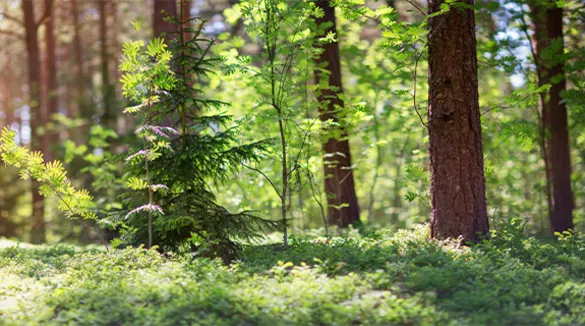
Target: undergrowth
<point x="380" y="278"/>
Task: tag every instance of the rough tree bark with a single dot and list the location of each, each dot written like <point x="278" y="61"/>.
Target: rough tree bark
<point x="343" y="208"/>
<point x="38" y="230"/>
<point x="560" y="154"/>
<point x="455" y="150"/>
<point x="159" y="25"/>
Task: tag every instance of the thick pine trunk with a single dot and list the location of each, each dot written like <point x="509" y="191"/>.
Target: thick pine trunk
<point x="38" y="231"/>
<point x="455" y="151"/>
<point x="343" y="208"/>
<point x="560" y="155"/>
<point x="159" y="25"/>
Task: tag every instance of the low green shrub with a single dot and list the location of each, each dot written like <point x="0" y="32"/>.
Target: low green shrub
<point x="380" y="278"/>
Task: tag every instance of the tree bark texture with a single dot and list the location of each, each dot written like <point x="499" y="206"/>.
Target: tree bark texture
<point x="455" y="150"/>
<point x="560" y="154"/>
<point x="38" y="231"/>
<point x="343" y="208"/>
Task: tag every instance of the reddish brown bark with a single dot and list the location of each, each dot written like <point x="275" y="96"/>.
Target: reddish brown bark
<point x="79" y="79"/>
<point x="185" y="15"/>
<point x="50" y="96"/>
<point x="7" y="91"/>
<point x="108" y="117"/>
<point x="539" y="44"/>
<point x="38" y="231"/>
<point x="548" y="30"/>
<point x="560" y="155"/>
<point x="159" y="25"/>
<point x="455" y="151"/>
<point x="343" y="208"/>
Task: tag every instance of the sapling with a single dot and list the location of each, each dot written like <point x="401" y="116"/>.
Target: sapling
<point x="185" y="151"/>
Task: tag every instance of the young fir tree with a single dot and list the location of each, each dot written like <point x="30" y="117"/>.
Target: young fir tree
<point x="185" y="150"/>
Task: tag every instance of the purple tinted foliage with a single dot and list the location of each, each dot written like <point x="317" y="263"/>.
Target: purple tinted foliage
<point x="148" y="208"/>
<point x="158" y="187"/>
<point x="159" y="130"/>
<point x="140" y="152"/>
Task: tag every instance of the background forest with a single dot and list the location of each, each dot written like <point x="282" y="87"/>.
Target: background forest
<point x="60" y="91"/>
<point x="270" y="162"/>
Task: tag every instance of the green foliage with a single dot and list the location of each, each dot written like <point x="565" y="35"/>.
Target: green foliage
<point x="385" y="132"/>
<point x="380" y="278"/>
<point x="51" y="176"/>
<point x="185" y="151"/>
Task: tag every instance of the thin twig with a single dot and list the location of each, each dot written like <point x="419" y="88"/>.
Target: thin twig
<point x="10" y="17"/>
<point x="76" y="214"/>
<point x="414" y="77"/>
<point x="417" y="7"/>
<point x="11" y="33"/>
<point x="265" y="177"/>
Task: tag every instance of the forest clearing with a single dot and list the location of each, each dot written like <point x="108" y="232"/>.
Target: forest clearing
<point x="292" y="162"/>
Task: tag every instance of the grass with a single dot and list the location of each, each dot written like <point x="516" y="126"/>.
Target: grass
<point x="381" y="278"/>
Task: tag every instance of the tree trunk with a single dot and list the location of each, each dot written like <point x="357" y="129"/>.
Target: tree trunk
<point x="539" y="44"/>
<point x="79" y="79"/>
<point x="38" y="232"/>
<point x="455" y="150"/>
<point x="7" y="91"/>
<point x="50" y="95"/>
<point x="343" y="208"/>
<point x="560" y="154"/>
<point x="185" y="15"/>
<point x="108" y="118"/>
<point x="159" y="25"/>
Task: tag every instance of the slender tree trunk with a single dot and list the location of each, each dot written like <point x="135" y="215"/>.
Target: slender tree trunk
<point x="38" y="232"/>
<point x="343" y="208"/>
<point x="539" y="43"/>
<point x="115" y="55"/>
<point x="159" y="25"/>
<point x="185" y="15"/>
<point x="79" y="79"/>
<point x="455" y="151"/>
<point x="51" y="99"/>
<point x="108" y="118"/>
<point x="397" y="201"/>
<point x="560" y="158"/>
<point x="7" y="91"/>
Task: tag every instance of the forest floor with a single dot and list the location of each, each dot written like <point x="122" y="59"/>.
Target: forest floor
<point x="381" y="278"/>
